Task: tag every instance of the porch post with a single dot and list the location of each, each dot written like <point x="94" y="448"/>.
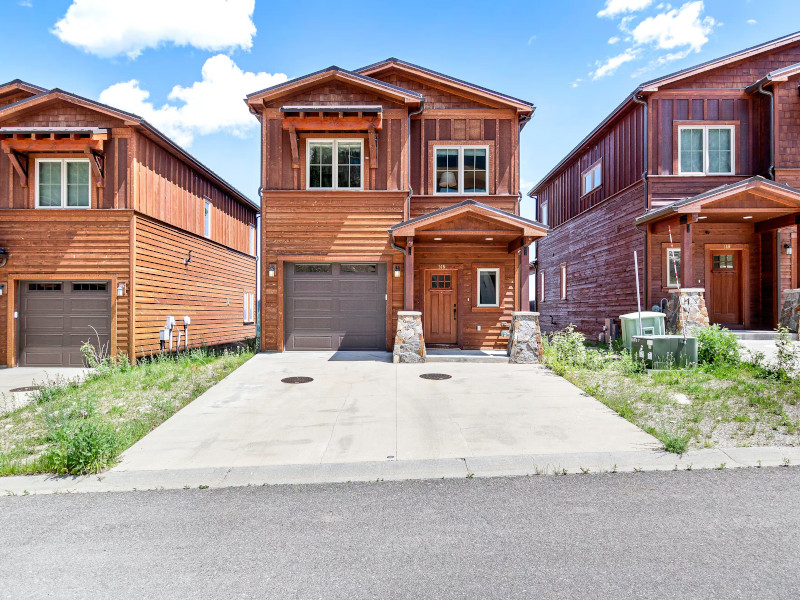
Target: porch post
<point x="687" y="264"/>
<point x="795" y="257"/>
<point x="524" y="275"/>
<point x="408" y="302"/>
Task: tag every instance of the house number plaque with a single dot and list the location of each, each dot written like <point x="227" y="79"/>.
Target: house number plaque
<point x="442" y="266"/>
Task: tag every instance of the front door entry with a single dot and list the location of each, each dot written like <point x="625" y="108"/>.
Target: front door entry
<point x="725" y="288"/>
<point x="441" y="306"/>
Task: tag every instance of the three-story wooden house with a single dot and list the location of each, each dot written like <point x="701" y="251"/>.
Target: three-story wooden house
<point x="387" y="188"/>
<point x="710" y="154"/>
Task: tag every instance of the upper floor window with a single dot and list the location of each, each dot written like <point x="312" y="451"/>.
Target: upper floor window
<point x="335" y="164"/>
<point x="252" y="240"/>
<point x="62" y="183"/>
<point x="207" y="219"/>
<point x="563" y="282"/>
<point x="592" y="178"/>
<point x="543" y="213"/>
<point x="705" y="150"/>
<point x="462" y="169"/>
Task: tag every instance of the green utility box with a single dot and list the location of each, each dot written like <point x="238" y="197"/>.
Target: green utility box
<point x="652" y="324"/>
<point x="655" y="350"/>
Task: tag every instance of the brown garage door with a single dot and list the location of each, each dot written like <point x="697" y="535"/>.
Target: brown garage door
<point x="335" y="306"/>
<point x="56" y="317"/>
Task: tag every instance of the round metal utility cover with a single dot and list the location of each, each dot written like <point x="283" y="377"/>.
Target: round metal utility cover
<point x="297" y="379"/>
<point x="30" y="388"/>
<point x="435" y="376"/>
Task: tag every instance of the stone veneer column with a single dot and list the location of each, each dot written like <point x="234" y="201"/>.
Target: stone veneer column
<point x="409" y="341"/>
<point x="525" y="341"/>
<point x="790" y="313"/>
<point x="686" y="309"/>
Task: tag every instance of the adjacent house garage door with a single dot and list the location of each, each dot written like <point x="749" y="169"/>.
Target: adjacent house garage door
<point x="335" y="306"/>
<point x="56" y="317"/>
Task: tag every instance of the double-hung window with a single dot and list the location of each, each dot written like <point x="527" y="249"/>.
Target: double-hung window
<point x="673" y="266"/>
<point x="461" y="169"/>
<point x="705" y="150"/>
<point x="335" y="164"/>
<point x="62" y="183"/>
<point x="592" y="178"/>
<point x="488" y="287"/>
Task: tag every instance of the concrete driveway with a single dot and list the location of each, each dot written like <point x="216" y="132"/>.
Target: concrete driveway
<point x="21" y="377"/>
<point x="361" y="407"/>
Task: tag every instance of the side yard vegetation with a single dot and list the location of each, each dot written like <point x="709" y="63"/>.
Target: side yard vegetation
<point x="82" y="427"/>
<point x="731" y="398"/>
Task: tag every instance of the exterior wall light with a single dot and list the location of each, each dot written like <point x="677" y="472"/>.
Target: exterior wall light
<point x="3" y="257"/>
<point x="121" y="290"/>
<point x="788" y="248"/>
<point x="397" y="270"/>
<point x="271" y="271"/>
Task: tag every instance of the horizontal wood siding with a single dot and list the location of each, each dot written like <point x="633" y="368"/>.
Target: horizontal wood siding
<point x="209" y="289"/>
<point x="67" y="244"/>
<point x="597" y="249"/>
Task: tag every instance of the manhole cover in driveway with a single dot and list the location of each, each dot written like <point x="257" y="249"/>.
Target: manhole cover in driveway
<point x="435" y="376"/>
<point x="297" y="379"/>
<point x="30" y="388"/>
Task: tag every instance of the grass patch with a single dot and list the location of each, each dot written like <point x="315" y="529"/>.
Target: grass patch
<point x="79" y="428"/>
<point x="723" y="402"/>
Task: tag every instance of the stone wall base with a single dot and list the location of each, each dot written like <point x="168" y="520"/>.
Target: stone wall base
<point x="686" y="311"/>
<point x="409" y="341"/>
<point x="790" y="312"/>
<point x="525" y="341"/>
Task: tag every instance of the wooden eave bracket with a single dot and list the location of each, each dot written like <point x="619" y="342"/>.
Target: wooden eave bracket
<point x="16" y="162"/>
<point x="97" y="162"/>
<point x="295" y="151"/>
<point x="373" y="148"/>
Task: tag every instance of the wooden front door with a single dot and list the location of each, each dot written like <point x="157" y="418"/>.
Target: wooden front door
<point x="440" y="313"/>
<point x="725" y="288"/>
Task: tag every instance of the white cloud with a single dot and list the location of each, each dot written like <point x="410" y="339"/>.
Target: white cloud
<point x="26" y="3"/>
<point x="661" y="61"/>
<point x="610" y="66"/>
<point x="113" y="27"/>
<point x="577" y="82"/>
<point x="214" y="104"/>
<point x="615" y="8"/>
<point x="751" y="21"/>
<point x="614" y="40"/>
<point x="676" y="28"/>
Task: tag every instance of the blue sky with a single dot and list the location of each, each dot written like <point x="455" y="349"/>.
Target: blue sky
<point x="574" y="64"/>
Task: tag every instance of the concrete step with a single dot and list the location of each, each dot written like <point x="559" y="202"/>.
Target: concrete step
<point x="455" y="355"/>
<point x="753" y="335"/>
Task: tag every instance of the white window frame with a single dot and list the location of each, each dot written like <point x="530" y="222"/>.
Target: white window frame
<point x="207" y="208"/>
<point x="63" y="162"/>
<point x="543" y="215"/>
<point x="705" y="129"/>
<point x="461" y="169"/>
<point x="253" y="241"/>
<point x="670" y="251"/>
<point x="496" y="287"/>
<point x="541" y="286"/>
<point x="335" y="141"/>
<point x="564" y="282"/>
<point x="249" y="307"/>
<point x="596" y="168"/>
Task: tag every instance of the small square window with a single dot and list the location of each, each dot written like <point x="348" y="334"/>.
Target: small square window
<point x="488" y="287"/>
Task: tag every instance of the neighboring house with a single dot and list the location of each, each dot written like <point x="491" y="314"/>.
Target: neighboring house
<point x="719" y="147"/>
<point x="108" y="226"/>
<point x="386" y="188"/>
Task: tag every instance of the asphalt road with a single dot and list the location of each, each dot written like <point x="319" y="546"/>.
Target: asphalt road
<point x="700" y="534"/>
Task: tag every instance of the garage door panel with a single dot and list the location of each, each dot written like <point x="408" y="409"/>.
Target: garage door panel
<point x="54" y="323"/>
<point x="335" y="309"/>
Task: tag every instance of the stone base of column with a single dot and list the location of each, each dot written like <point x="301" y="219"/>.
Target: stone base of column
<point x="409" y="341"/>
<point x="525" y="341"/>
<point x="790" y="313"/>
<point x="686" y="310"/>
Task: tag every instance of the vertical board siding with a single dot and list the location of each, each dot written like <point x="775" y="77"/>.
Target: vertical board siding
<point x="209" y="289"/>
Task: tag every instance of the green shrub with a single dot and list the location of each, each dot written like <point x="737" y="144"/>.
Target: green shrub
<point x="717" y="345"/>
<point x="567" y="349"/>
<point x="79" y="446"/>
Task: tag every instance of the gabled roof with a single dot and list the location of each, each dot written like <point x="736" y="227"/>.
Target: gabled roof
<point x="776" y="75"/>
<point x="757" y="183"/>
<point x="521" y="105"/>
<point x="129" y="119"/>
<point x="466" y="205"/>
<point x="655" y="84"/>
<point x="334" y="72"/>
<point x="18" y="84"/>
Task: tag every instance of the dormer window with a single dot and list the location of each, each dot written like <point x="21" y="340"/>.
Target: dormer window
<point x="461" y="169"/>
<point x="335" y="164"/>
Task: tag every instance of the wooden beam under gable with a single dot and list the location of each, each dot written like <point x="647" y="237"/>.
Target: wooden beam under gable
<point x="16" y="162"/>
<point x="97" y="163"/>
<point x="373" y="148"/>
<point x="295" y="151"/>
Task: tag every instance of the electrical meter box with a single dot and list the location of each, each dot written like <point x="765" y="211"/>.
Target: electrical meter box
<point x="652" y="324"/>
<point x="664" y="351"/>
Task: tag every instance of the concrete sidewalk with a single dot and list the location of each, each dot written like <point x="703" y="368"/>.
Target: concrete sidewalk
<point x="392" y="470"/>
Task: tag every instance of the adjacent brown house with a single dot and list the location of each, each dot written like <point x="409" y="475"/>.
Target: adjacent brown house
<point x="710" y="154"/>
<point x="108" y="226"/>
<point x="386" y="188"/>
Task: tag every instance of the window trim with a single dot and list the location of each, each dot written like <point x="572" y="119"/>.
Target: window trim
<point x="667" y="283"/>
<point x="63" y="162"/>
<point x="496" y="287"/>
<point x="598" y="164"/>
<point x="563" y="281"/>
<point x="207" y="219"/>
<point x="705" y="127"/>
<point x="253" y="243"/>
<point x="461" y="149"/>
<point x="541" y="286"/>
<point x="249" y="307"/>
<point x="335" y="141"/>
<point x="543" y="213"/>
